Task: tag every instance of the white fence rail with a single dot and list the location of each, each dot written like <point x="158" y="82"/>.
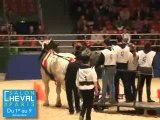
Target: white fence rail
<point x="66" y="40"/>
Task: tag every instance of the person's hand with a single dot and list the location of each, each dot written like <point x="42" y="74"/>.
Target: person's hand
<point x="96" y="91"/>
<point x="78" y="91"/>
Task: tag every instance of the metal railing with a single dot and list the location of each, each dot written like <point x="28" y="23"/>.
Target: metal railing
<point x="66" y="40"/>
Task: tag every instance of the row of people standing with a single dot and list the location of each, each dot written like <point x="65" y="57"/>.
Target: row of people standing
<point x="122" y="62"/>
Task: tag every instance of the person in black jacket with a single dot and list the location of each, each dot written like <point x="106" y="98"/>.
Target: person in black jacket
<point x="71" y="89"/>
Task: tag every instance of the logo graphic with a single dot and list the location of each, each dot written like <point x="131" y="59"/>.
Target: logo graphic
<point x="19" y="104"/>
<point x="122" y="54"/>
<point x="144" y="59"/>
<point x="111" y="56"/>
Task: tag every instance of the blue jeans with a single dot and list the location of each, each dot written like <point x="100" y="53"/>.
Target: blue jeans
<point x="108" y="81"/>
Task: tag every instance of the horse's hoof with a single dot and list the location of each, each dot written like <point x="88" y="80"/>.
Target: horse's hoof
<point x="58" y="105"/>
<point x="46" y="104"/>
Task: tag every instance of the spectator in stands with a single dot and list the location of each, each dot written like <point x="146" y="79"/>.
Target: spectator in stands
<point x="40" y="29"/>
<point x="113" y="14"/>
<point x="108" y="25"/>
<point x="82" y="22"/>
<point x="98" y="23"/>
<point x="119" y="24"/>
<point x="126" y="36"/>
<point x="155" y="37"/>
<point x="79" y="13"/>
<point x="104" y="31"/>
<point x="104" y="10"/>
<point x="124" y="14"/>
<point x="97" y="39"/>
<point x="148" y="13"/>
<point x="154" y="4"/>
<point x="138" y="13"/>
<point x="146" y="26"/>
<point x="89" y="15"/>
<point x="32" y="30"/>
<point x="121" y="13"/>
<point x="3" y="39"/>
<point x="32" y="38"/>
<point x="137" y="26"/>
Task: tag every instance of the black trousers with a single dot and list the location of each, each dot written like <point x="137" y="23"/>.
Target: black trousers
<point x="121" y="74"/>
<point x="70" y="92"/>
<point x="71" y="89"/>
<point x="131" y="76"/>
<point x="148" y="79"/>
<point x="87" y="96"/>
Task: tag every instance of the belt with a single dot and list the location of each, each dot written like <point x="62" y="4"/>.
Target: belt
<point x="109" y="65"/>
<point x="86" y="83"/>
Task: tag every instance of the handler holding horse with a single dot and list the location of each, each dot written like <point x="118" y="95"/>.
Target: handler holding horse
<point x="53" y="67"/>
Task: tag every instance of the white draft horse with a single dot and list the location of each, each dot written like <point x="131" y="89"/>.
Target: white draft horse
<point x="53" y="67"/>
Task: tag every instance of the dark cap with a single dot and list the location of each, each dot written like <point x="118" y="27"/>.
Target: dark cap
<point x="119" y="38"/>
<point x="85" y="59"/>
<point x="107" y="42"/>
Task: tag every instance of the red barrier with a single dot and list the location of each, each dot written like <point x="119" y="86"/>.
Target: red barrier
<point x="158" y="94"/>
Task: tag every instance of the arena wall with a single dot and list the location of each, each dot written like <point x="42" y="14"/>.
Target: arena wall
<point x="23" y="67"/>
<point x="26" y="67"/>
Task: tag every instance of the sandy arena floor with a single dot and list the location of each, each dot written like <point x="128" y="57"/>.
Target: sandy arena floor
<point x="53" y="113"/>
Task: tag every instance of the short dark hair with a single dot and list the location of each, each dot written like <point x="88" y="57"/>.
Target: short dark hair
<point x="119" y="38"/>
<point x="107" y="42"/>
<point x="85" y="59"/>
<point x="147" y="46"/>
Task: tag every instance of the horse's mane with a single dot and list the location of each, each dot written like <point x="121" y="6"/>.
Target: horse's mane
<point x="50" y="46"/>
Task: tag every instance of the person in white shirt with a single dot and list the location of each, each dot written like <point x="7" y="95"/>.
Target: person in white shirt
<point x="146" y="62"/>
<point x="122" y="51"/>
<point x="131" y="74"/>
<point x="108" y="58"/>
<point x="86" y="81"/>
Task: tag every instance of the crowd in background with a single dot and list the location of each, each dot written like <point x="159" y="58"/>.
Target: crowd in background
<point x="104" y="17"/>
<point x="10" y="29"/>
<point x="116" y="17"/>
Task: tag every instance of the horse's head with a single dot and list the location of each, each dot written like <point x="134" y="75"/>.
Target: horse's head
<point x="49" y="44"/>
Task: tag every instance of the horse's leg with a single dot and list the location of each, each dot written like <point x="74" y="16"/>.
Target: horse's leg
<point x="46" y="85"/>
<point x="45" y="80"/>
<point x="58" y="91"/>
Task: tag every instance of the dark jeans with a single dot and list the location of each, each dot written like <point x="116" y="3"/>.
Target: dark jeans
<point x="108" y="82"/>
<point x="148" y="79"/>
<point x="87" y="96"/>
